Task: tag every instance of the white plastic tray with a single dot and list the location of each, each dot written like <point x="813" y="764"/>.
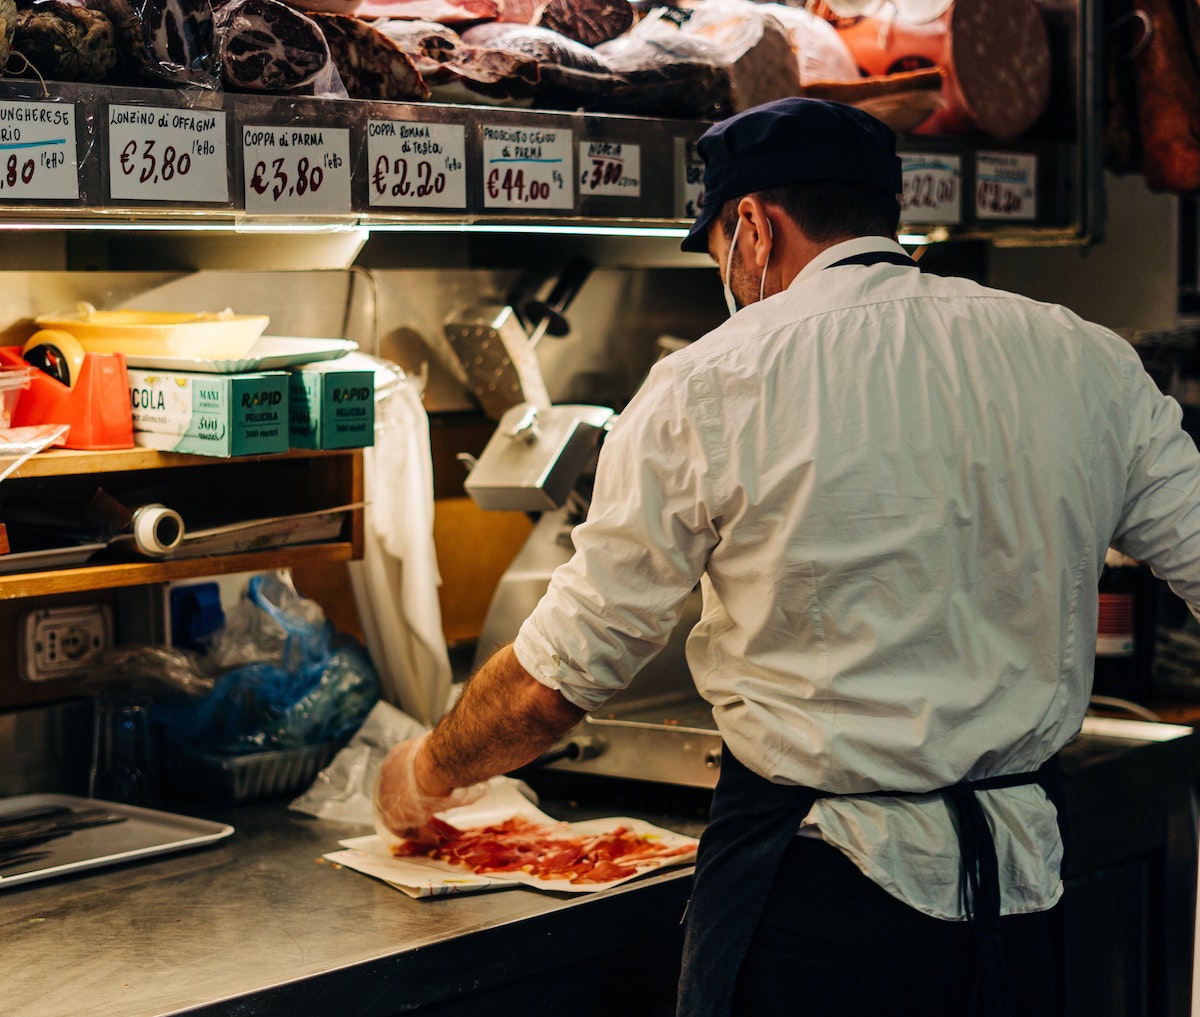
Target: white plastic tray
<point x="269" y="353"/>
<point x="142" y="834"/>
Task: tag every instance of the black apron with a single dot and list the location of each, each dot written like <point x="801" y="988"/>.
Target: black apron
<point x="751" y="822"/>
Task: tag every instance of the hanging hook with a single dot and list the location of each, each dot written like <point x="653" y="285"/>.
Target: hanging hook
<point x="1147" y="23"/>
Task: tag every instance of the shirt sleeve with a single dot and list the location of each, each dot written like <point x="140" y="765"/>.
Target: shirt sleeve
<point x="1160" y="522"/>
<point x="611" y="608"/>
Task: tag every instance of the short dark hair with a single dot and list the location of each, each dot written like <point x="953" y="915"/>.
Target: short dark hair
<point x="828" y="210"/>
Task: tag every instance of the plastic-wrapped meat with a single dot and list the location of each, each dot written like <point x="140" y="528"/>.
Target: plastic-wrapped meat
<point x="370" y="64"/>
<point x="267" y="46"/>
<point x="65" y="42"/>
<point x="429" y="43"/>
<point x="164" y="41"/>
<point x="660" y="71"/>
<point x="572" y="76"/>
<point x="588" y="21"/>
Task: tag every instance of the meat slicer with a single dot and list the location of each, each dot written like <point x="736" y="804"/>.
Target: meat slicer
<point x="542" y="460"/>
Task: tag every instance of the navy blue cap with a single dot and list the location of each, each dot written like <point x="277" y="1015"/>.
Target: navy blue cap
<point x="791" y="141"/>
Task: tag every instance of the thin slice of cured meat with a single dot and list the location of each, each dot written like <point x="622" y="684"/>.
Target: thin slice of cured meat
<point x="588" y="21"/>
<point x="370" y="64"/>
<point x="267" y="46"/>
<point x="572" y="76"/>
<point x="549" y="853"/>
<point x="65" y="42"/>
<point x="447" y="12"/>
<point x="164" y="41"/>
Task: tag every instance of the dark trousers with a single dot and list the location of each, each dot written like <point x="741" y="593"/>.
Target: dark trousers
<point x="832" y="943"/>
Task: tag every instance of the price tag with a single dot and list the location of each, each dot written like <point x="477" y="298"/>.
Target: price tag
<point x="932" y="189"/>
<point x="1005" y="185"/>
<point x="163" y="154"/>
<point x="527" y="167"/>
<point x="302" y="170"/>
<point x="689" y="179"/>
<point x="37" y="151"/>
<point x="417" y="165"/>
<point x="611" y="168"/>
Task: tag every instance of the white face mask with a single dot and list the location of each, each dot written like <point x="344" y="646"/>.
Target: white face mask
<point x="730" y="299"/>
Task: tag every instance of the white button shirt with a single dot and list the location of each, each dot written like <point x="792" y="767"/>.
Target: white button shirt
<point x="896" y="491"/>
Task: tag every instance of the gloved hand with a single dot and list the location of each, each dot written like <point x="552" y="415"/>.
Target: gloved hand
<point x="403" y="811"/>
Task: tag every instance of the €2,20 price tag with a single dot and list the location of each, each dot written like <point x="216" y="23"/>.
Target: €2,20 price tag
<point x="417" y="165"/>
<point x="163" y="154"/>
<point x="612" y="168"/>
<point x="528" y="167"/>
<point x="37" y="151"/>
<point x="932" y="185"/>
<point x="1005" y="185"/>
<point x="303" y="170"/>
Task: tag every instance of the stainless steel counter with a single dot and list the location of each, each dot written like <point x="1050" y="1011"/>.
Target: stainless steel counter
<point x="260" y="924"/>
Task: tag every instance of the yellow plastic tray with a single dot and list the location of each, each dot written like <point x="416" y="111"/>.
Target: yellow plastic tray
<point x="218" y="334"/>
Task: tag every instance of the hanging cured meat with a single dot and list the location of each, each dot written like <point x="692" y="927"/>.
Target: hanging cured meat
<point x="371" y="66"/>
<point x="267" y="46"/>
<point x="996" y="59"/>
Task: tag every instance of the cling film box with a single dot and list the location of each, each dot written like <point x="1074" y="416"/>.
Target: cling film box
<point x="210" y="414"/>
<point x="331" y="404"/>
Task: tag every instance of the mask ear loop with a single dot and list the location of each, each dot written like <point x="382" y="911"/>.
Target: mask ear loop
<point x="762" y="282"/>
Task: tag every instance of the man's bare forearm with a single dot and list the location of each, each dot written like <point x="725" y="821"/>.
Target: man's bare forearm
<point x="504" y="719"/>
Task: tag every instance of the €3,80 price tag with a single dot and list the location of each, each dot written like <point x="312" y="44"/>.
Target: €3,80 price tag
<point x="303" y="170"/>
<point x="163" y="154"/>
<point x="37" y="151"/>
<point x="528" y="167"/>
<point x="417" y="165"/>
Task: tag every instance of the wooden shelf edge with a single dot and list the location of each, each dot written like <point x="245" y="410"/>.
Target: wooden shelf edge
<point x="66" y="462"/>
<point x="108" y="575"/>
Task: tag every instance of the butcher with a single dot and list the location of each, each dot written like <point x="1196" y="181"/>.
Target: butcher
<point x="895" y="491"/>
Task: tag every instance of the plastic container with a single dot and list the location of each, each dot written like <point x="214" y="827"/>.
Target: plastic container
<point x="245" y="778"/>
<point x="216" y="335"/>
<point x="14" y="379"/>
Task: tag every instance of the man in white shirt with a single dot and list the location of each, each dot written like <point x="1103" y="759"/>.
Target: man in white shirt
<point x="896" y="492"/>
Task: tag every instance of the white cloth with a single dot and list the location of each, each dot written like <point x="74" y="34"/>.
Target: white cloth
<point x="396" y="582"/>
<point x="896" y="491"/>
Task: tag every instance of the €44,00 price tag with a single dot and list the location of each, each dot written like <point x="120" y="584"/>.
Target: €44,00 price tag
<point x="304" y="170"/>
<point x="163" y="154"/>
<point x="611" y="168"/>
<point x="417" y="165"/>
<point x="527" y="167"/>
<point x="37" y="151"/>
<point x="932" y="188"/>
<point x="1005" y="185"/>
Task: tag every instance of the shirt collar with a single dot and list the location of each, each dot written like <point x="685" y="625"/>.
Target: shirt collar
<point x="846" y="249"/>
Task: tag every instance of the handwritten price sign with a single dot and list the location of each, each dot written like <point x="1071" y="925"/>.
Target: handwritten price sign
<point x="303" y="170"/>
<point x="37" y="151"/>
<point x="610" y="168"/>
<point x="689" y="179"/>
<point x="1005" y="185"/>
<point x="417" y="165"/>
<point x="163" y="154"/>
<point x="527" y="167"/>
<point x="932" y="189"/>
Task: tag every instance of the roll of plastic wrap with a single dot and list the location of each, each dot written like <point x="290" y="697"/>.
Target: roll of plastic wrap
<point x="157" y="530"/>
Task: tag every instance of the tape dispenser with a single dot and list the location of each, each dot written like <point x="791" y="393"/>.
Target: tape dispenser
<point x="88" y="391"/>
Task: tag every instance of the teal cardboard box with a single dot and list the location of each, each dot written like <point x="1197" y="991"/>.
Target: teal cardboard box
<point x="210" y="414"/>
<point x="331" y="404"/>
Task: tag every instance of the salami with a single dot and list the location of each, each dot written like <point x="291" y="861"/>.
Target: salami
<point x="371" y="66"/>
<point x="164" y="41"/>
<point x="590" y="22"/>
<point x="65" y="42"/>
<point x="267" y="46"/>
<point x="571" y="75"/>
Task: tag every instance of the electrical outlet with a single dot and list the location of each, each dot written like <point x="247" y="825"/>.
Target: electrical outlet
<point x="61" y="641"/>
